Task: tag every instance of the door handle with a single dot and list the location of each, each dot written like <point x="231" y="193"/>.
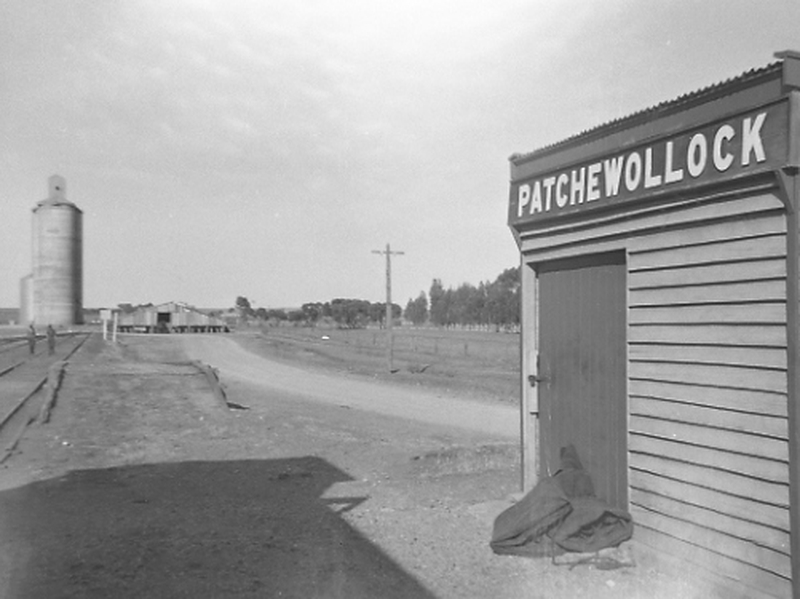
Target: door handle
<point x="534" y="379"/>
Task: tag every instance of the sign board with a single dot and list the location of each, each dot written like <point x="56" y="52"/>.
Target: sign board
<point x="743" y="145"/>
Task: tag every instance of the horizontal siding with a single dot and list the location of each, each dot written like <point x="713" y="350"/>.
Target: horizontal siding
<point x="750" y="402"/>
<point x="582" y="238"/>
<point x="723" y="544"/>
<point x="704" y="274"/>
<point x="745" y="227"/>
<point x="704" y="415"/>
<point x="776" y="542"/>
<point x="752" y="357"/>
<point x="715" y="375"/>
<point x="759" y="446"/>
<point x="721" y="457"/>
<point x="739" y="485"/>
<point x="707" y="384"/>
<point x="734" y="250"/>
<point x="747" y="581"/>
<point x="763" y="335"/>
<point x="735" y="292"/>
<point x="707" y="323"/>
<point x="768" y="514"/>
<point x="760" y="313"/>
<point x="578" y="249"/>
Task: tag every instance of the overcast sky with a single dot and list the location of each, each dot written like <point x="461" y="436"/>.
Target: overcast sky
<point x="265" y="148"/>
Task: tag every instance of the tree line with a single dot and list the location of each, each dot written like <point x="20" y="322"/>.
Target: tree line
<point x="491" y="303"/>
<point x="344" y="312"/>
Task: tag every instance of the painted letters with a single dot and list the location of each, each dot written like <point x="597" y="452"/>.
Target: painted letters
<point x="703" y="154"/>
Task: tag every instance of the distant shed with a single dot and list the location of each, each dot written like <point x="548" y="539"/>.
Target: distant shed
<point x="659" y="268"/>
<point x="170" y="317"/>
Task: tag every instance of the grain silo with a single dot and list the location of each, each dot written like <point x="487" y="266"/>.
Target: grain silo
<point x="57" y="258"/>
<point x="26" y="299"/>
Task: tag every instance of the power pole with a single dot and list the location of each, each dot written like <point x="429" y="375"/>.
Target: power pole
<point x="389" y="340"/>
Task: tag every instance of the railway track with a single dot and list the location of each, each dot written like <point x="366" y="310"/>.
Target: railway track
<point x="14" y="351"/>
<point x="10" y="347"/>
<point x="23" y="376"/>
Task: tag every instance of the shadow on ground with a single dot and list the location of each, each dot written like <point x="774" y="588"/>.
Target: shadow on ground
<point x="257" y="528"/>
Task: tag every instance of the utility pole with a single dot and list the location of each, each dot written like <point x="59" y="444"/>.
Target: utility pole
<point x="389" y="340"/>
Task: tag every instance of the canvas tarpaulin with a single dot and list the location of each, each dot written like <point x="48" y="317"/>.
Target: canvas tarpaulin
<point x="561" y="514"/>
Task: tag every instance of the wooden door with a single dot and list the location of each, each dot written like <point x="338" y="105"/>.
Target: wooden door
<point x="582" y="368"/>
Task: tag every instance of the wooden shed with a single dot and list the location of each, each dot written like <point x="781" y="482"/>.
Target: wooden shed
<point x="660" y="300"/>
<point x="170" y="317"/>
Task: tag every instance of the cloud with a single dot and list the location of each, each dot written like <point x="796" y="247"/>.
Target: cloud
<point x="194" y="123"/>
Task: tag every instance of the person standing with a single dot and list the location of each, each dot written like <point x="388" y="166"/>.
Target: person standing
<point x="51" y="340"/>
<point x="32" y="338"/>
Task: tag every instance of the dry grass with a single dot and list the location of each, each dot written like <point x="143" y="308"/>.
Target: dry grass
<point x="468" y="460"/>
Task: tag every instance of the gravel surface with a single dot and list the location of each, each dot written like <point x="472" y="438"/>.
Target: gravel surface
<point x="144" y="485"/>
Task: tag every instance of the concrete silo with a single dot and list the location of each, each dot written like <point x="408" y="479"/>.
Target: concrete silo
<point x="57" y="278"/>
<point x="26" y="299"/>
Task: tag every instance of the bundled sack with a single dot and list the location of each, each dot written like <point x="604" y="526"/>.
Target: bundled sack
<point x="526" y="527"/>
<point x="561" y="514"/>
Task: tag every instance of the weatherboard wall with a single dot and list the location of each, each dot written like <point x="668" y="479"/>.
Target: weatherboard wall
<point x="707" y="399"/>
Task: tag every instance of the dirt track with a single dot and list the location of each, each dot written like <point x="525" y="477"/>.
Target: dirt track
<point x="236" y="363"/>
<point x="143" y="485"/>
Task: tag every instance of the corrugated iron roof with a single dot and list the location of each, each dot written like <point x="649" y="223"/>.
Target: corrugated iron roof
<point x="717" y="89"/>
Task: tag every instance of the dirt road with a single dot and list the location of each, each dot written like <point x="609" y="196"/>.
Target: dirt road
<point x="235" y="362"/>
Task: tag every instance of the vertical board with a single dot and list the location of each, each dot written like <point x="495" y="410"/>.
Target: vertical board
<point x="529" y="404"/>
<point x="582" y="361"/>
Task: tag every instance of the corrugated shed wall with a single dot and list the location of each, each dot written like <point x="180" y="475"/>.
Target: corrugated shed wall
<point x="708" y="450"/>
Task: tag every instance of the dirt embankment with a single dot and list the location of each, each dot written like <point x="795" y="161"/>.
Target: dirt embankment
<point x="143" y="485"/>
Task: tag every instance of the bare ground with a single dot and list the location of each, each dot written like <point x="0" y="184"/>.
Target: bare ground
<point x="144" y="485"/>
